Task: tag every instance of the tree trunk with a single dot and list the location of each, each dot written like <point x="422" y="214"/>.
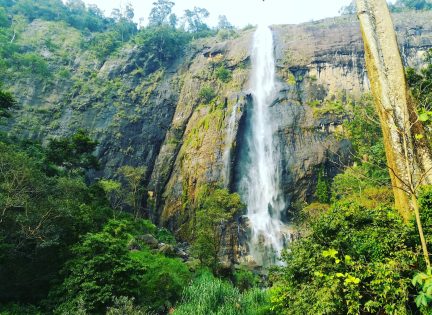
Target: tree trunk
<point x="394" y="104"/>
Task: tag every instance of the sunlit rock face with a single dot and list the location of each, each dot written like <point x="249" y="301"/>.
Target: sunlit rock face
<point x="160" y="121"/>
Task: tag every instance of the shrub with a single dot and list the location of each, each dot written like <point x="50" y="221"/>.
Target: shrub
<point x="353" y="260"/>
<point x="206" y="94"/>
<point x="223" y="74"/>
<point x="245" y="280"/>
<point x="101" y="269"/>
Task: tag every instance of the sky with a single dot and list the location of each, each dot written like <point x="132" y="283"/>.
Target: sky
<point x="241" y="12"/>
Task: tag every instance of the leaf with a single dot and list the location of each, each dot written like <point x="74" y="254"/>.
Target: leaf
<point x="423" y="117"/>
<point x="318" y="274"/>
<point x="330" y="253"/>
<point x="418" y="136"/>
<point x="421" y="300"/>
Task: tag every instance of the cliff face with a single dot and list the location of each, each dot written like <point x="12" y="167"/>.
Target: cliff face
<point x="164" y="121"/>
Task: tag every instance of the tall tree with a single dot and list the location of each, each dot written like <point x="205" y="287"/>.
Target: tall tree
<point x="160" y="12"/>
<point x="223" y="23"/>
<point x="194" y="19"/>
<point x="408" y="156"/>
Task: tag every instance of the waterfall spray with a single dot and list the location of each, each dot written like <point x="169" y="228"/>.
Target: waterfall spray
<point x="260" y="187"/>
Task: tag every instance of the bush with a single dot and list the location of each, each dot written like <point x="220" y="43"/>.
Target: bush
<point x="223" y="74"/>
<point x="354" y="260"/>
<point x="160" y="46"/>
<point x="101" y="269"/>
<point x="206" y="94"/>
<point x="163" y="281"/>
<point x="245" y="280"/>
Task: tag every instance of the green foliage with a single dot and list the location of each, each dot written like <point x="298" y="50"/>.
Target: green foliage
<point x="194" y="20"/>
<point x="322" y="188"/>
<point x="101" y="268"/>
<point x="7" y="101"/>
<point x="423" y="280"/>
<point x="370" y="168"/>
<point x="32" y="63"/>
<point x="40" y="217"/>
<point x="420" y="84"/>
<point x="245" y="279"/>
<point x="160" y="12"/>
<point x="162" y="283"/>
<point x="209" y="295"/>
<point x="402" y="5"/>
<point x="125" y="306"/>
<point x="74" y="12"/>
<point x="73" y="154"/>
<point x="207" y="94"/>
<point x="223" y="74"/>
<point x="354" y="260"/>
<point x="133" y="190"/>
<point x="17" y="309"/>
<point x="4" y="20"/>
<point x="329" y="107"/>
<point x="215" y="208"/>
<point x="160" y="46"/>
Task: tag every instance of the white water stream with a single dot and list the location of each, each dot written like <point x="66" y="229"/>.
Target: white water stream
<point x="260" y="187"/>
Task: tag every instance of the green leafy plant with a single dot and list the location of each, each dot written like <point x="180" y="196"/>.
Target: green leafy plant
<point x="209" y="295"/>
<point x="215" y="208"/>
<point x="423" y="280"/>
<point x="207" y="94"/>
<point x="223" y="74"/>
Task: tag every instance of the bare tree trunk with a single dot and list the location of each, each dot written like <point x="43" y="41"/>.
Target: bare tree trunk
<point x="404" y="137"/>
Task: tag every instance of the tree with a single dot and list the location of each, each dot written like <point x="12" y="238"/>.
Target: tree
<point x="224" y="24"/>
<point x="173" y="20"/>
<point x="134" y="177"/>
<point x="100" y="270"/>
<point x="160" y="13"/>
<point x="114" y="193"/>
<point x="40" y="217"/>
<point x="74" y="154"/>
<point x="322" y="188"/>
<point x="160" y="46"/>
<point x="194" y="20"/>
<point x="7" y="101"/>
<point x="124" y="23"/>
<point x="214" y="210"/>
<point x="412" y="5"/>
<point x="408" y="156"/>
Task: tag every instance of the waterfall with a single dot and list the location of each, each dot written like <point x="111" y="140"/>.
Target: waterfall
<point x="260" y="185"/>
<point x="229" y="140"/>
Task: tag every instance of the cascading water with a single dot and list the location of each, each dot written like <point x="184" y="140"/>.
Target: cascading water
<point x="230" y="137"/>
<point x="260" y="185"/>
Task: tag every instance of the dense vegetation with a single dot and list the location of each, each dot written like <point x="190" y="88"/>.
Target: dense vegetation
<point x="69" y="245"/>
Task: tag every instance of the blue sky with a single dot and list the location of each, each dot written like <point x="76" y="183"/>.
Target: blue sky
<point x="242" y="12"/>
